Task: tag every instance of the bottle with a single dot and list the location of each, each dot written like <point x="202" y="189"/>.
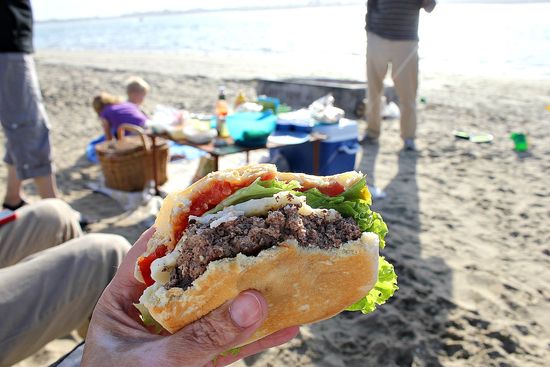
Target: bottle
<point x="241" y="98"/>
<point x="221" y="112"/>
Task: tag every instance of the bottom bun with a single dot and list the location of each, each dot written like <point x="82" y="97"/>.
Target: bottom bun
<point x="301" y="285"/>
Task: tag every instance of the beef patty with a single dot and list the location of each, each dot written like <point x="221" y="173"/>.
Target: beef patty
<point x="250" y="235"/>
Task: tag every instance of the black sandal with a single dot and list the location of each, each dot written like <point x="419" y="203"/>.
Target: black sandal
<point x="14" y="207"/>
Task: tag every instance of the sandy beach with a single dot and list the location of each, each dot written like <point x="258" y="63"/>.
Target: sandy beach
<point x="468" y="222"/>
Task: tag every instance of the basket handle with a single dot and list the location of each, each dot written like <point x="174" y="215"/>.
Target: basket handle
<point x="128" y="127"/>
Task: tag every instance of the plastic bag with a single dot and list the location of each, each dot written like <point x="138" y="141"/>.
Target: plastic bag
<point x="323" y="110"/>
<point x="90" y="149"/>
<point x="389" y="110"/>
<point x="165" y="118"/>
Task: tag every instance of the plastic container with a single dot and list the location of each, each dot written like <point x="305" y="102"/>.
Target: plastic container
<point x="269" y="103"/>
<point x="251" y="129"/>
<point x="337" y="153"/>
<point x="520" y="142"/>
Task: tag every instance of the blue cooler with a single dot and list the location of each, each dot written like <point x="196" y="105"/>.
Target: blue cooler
<point x="336" y="154"/>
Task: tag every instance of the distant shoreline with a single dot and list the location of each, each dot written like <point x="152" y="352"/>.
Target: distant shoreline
<point x="274" y="7"/>
<point x="201" y="11"/>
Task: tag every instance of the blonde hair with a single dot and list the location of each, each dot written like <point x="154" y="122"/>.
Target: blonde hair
<point x="104" y="99"/>
<point x="137" y="84"/>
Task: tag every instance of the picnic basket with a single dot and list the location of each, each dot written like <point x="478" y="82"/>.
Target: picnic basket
<point x="127" y="163"/>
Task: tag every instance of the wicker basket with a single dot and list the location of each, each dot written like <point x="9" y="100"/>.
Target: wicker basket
<point x="127" y="163"/>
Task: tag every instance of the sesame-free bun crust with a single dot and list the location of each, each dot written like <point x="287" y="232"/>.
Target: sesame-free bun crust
<point x="178" y="203"/>
<point x="301" y="285"/>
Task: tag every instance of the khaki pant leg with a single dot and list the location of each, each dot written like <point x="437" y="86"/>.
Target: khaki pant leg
<point x="405" y="77"/>
<point x="377" y="68"/>
<point x="49" y="294"/>
<point x="37" y="227"/>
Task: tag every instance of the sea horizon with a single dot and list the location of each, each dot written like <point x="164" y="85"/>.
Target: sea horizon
<point x="310" y="4"/>
<point x="508" y="39"/>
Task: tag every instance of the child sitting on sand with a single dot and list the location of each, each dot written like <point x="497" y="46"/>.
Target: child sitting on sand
<point x="136" y="89"/>
<point x="113" y="112"/>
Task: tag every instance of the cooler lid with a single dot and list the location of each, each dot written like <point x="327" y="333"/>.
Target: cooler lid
<point x="342" y="131"/>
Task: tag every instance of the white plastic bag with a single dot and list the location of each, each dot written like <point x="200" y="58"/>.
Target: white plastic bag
<point x="323" y="110"/>
<point x="164" y="118"/>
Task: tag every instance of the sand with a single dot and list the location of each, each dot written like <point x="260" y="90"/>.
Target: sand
<point x="468" y="222"/>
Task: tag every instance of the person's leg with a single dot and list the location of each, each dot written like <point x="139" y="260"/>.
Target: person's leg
<point x="38" y="226"/>
<point x="13" y="189"/>
<point x="25" y="124"/>
<point x="377" y="67"/>
<point x="46" y="186"/>
<point x="49" y="294"/>
<point x="405" y="77"/>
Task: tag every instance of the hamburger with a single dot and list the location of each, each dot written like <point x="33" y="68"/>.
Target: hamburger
<point x="309" y="244"/>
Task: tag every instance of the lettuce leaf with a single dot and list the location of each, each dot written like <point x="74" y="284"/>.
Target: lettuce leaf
<point x="147" y="319"/>
<point x="354" y="202"/>
<point x="359" y="190"/>
<point x="257" y="190"/>
<point x="382" y="291"/>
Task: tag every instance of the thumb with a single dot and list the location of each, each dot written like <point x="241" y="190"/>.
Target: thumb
<point x="224" y="328"/>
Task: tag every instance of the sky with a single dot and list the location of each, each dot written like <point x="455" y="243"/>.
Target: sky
<point x="69" y="9"/>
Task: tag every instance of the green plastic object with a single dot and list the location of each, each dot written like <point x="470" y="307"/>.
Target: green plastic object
<point x="481" y="138"/>
<point x="461" y="134"/>
<point x="520" y="142"/>
<point x="474" y="138"/>
<point x="283" y="108"/>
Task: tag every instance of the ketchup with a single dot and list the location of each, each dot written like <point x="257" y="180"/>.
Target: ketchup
<point x="144" y="263"/>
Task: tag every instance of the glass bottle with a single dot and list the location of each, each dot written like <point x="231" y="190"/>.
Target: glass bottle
<point x="221" y="112"/>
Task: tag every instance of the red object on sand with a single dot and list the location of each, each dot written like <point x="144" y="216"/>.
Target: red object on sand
<point x="7" y="216"/>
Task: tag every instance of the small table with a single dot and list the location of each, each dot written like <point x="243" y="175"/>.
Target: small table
<point x="231" y="148"/>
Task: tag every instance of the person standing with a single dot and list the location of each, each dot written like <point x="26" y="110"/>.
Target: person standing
<point x="22" y="112"/>
<point x="392" y="37"/>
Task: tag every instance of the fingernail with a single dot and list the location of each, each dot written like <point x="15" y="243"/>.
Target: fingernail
<point x="246" y="310"/>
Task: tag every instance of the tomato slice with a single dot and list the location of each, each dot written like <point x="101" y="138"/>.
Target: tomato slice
<point x="267" y="176"/>
<point x="333" y="189"/>
<point x="144" y="263"/>
<point x="204" y="201"/>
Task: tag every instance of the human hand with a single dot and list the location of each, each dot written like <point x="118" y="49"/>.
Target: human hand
<point x="428" y="5"/>
<point x="117" y="337"/>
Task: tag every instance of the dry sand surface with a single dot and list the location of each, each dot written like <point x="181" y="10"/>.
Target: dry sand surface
<point x="468" y="223"/>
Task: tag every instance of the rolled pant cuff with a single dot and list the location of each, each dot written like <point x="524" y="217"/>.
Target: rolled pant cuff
<point x="24" y="173"/>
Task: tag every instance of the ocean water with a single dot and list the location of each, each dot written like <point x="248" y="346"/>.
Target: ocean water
<point x="502" y="39"/>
